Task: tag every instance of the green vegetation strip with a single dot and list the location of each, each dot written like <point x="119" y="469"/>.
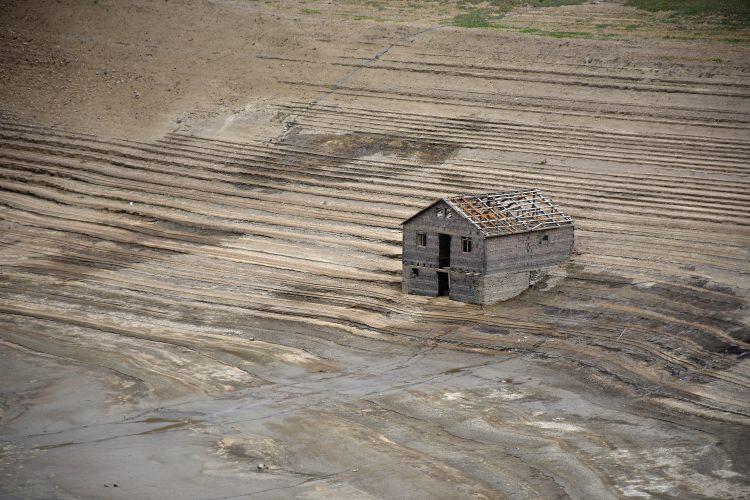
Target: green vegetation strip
<point x="494" y="10"/>
<point x="722" y="17"/>
<point x="729" y="13"/>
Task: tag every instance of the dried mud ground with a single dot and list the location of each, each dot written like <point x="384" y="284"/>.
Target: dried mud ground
<point x="200" y="258"/>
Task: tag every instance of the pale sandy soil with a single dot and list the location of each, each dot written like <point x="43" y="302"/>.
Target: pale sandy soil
<point x="200" y="256"/>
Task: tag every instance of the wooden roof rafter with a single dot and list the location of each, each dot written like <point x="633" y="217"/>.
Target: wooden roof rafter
<point x="509" y="213"/>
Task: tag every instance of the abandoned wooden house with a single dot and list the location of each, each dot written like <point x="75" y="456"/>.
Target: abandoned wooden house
<point x="483" y="248"/>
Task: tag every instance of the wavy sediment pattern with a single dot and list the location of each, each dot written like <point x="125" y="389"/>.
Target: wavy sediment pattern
<point x="247" y="292"/>
<point x="275" y="231"/>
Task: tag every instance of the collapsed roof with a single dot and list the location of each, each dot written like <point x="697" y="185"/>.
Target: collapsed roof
<point x="513" y="212"/>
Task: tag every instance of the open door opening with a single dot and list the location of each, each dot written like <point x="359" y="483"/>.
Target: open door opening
<point x="444" y="250"/>
<point x="444" y="283"/>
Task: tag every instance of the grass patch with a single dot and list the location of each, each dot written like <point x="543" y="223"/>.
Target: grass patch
<point x="567" y="34"/>
<point x="719" y="20"/>
<point x="473" y="19"/>
<point x="309" y="11"/>
<point x="554" y="3"/>
<point x="376" y="4"/>
<point x="494" y="10"/>
<point x="507" y="5"/>
<point x="558" y="34"/>
<point x="360" y="17"/>
<point x="730" y="13"/>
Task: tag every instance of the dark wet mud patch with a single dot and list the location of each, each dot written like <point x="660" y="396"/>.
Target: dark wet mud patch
<point x="601" y="278"/>
<point x="693" y="300"/>
<point x="82" y="256"/>
<point x="170" y="427"/>
<point x="53" y="446"/>
<point x="694" y="345"/>
<point x="359" y="145"/>
<point x="699" y="293"/>
<point x="160" y="420"/>
<point x="80" y="263"/>
<point x="239" y="451"/>
<point x="706" y="341"/>
<point x="197" y="229"/>
<point x="695" y="291"/>
<point x="164" y="428"/>
<point x="492" y="329"/>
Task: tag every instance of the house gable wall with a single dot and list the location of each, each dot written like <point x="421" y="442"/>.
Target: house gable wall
<point x="457" y="226"/>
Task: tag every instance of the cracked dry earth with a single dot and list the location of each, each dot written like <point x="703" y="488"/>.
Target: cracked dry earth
<point x="204" y="276"/>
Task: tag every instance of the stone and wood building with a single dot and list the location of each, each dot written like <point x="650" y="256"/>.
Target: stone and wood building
<point x="484" y="248"/>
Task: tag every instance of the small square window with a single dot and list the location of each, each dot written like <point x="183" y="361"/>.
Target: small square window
<point x="421" y="240"/>
<point x="543" y="239"/>
<point x="440" y="212"/>
<point x="466" y="244"/>
<point x="415" y="272"/>
<point x="448" y="214"/>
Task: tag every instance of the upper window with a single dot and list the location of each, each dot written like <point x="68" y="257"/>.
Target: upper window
<point x="439" y="212"/>
<point x="543" y="239"/>
<point x="448" y="213"/>
<point x="466" y="244"/>
<point x="421" y="240"/>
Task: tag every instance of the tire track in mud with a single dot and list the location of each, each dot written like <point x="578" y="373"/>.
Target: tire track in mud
<point x="545" y="106"/>
<point x="737" y="83"/>
<point x="575" y="74"/>
<point x="605" y="82"/>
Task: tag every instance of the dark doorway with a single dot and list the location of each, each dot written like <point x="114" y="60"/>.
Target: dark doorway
<point x="444" y="284"/>
<point x="444" y="252"/>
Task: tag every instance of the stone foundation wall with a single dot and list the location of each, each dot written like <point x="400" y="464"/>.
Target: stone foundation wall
<point x="423" y="284"/>
<point x="466" y="287"/>
<point x="498" y="287"/>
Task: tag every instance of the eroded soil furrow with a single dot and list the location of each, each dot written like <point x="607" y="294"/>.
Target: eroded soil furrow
<point x="583" y="83"/>
<point x="511" y="104"/>
<point x="379" y="166"/>
<point x="207" y="231"/>
<point x="461" y="171"/>
<point x="675" y="159"/>
<point x="384" y="188"/>
<point x="550" y="132"/>
<point x="548" y="71"/>
<point x="692" y="185"/>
